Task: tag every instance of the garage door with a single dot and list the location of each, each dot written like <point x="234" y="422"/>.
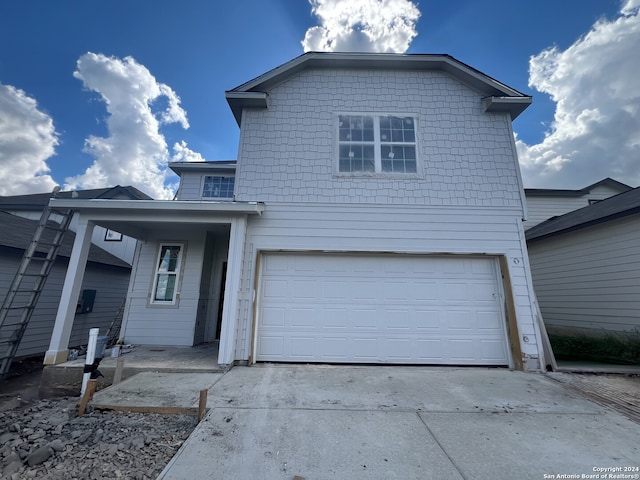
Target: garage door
<point x="351" y="308"/>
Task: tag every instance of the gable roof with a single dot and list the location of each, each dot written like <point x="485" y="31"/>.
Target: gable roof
<point x="497" y="96"/>
<point x="621" y="205"/>
<point x="17" y="233"/>
<point x="37" y="201"/>
<point x="550" y="192"/>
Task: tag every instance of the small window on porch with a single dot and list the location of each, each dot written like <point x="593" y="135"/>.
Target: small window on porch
<point x="167" y="271"/>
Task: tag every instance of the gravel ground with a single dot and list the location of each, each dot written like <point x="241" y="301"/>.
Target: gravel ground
<point x="46" y="439"/>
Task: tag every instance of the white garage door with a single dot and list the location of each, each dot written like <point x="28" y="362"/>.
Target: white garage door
<point x="351" y="308"/>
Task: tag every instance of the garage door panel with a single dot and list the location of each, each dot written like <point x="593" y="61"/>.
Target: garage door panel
<point x="428" y="320"/>
<point x="275" y="289"/>
<point x="364" y="319"/>
<point x="273" y="317"/>
<point x="302" y="318"/>
<point x="271" y="346"/>
<point x="380" y="309"/>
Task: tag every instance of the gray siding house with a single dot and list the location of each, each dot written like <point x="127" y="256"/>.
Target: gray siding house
<point x="586" y="267"/>
<point x="373" y="215"/>
<point x="105" y="283"/>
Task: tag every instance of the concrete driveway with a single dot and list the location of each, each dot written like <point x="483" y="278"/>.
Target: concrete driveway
<point x="345" y="422"/>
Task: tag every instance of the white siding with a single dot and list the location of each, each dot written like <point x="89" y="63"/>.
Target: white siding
<point x="288" y="152"/>
<point x="158" y="324"/>
<point x="123" y="249"/>
<point x="386" y="229"/>
<point x="543" y="208"/>
<point x="190" y="186"/>
<point x="590" y="279"/>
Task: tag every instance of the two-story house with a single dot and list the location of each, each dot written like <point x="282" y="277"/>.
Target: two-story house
<point x="374" y="215"/>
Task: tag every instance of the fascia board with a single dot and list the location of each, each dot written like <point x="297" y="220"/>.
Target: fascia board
<point x="158" y="206"/>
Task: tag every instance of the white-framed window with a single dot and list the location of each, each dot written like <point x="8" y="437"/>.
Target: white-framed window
<point x="218" y="186"/>
<point x="112" y="236"/>
<point x="167" y="274"/>
<point x="377" y="144"/>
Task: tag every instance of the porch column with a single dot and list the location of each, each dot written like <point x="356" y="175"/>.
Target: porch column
<point x="59" y="345"/>
<point x="232" y="287"/>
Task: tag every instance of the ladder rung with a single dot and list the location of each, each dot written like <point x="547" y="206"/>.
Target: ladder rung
<point x="46" y="244"/>
<point x="54" y="228"/>
<point x="40" y="258"/>
<point x="37" y="290"/>
<point x="19" y="307"/>
<point x="33" y="274"/>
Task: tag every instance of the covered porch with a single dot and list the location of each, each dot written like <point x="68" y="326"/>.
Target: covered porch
<point x="186" y="274"/>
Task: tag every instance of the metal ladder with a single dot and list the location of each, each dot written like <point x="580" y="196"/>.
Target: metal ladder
<point x="113" y="334"/>
<point x="24" y="292"/>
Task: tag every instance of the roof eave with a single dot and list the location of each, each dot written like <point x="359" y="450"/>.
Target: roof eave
<point x="512" y="105"/>
<point x="150" y="206"/>
<point x="578" y="226"/>
<point x="252" y="94"/>
<point x="222" y="166"/>
<point x="238" y="101"/>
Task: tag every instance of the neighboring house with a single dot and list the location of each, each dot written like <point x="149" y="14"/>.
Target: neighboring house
<point x="374" y="215"/>
<point x="31" y="206"/>
<point x="103" y="290"/>
<point x="544" y="203"/>
<point x="586" y="267"/>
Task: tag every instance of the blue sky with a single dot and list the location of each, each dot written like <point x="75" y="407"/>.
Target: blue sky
<point x="135" y="61"/>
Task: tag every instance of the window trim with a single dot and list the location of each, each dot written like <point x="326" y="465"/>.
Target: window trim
<point x="177" y="272"/>
<point x="377" y="146"/>
<point x="112" y="235"/>
<point x="203" y="179"/>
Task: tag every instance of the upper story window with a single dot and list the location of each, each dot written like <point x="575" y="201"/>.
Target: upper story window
<point x="377" y="144"/>
<point x="217" y="186"/>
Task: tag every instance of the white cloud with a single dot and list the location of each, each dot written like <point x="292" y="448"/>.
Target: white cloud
<point x="596" y="128"/>
<point x="135" y="152"/>
<point x="182" y="153"/>
<point x="27" y="139"/>
<point x="386" y="26"/>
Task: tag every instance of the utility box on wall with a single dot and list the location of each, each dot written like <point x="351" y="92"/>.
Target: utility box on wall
<point x="86" y="301"/>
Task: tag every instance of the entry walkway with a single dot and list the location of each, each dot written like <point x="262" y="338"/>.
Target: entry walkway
<point x="328" y="422"/>
<point x="66" y="378"/>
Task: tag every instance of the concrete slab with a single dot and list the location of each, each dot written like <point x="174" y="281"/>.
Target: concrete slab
<point x="508" y="446"/>
<point x="326" y="422"/>
<point x="156" y="392"/>
<point x="395" y="388"/>
<point x="66" y="378"/>
<point x="314" y="444"/>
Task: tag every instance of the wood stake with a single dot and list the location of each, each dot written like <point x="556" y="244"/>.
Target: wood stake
<point x="117" y="376"/>
<point x="202" y="404"/>
<point x="88" y="395"/>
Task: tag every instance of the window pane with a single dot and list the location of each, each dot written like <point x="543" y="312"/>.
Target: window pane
<point x="357" y="158"/>
<point x="356" y="128"/>
<point x="218" y="187"/>
<point x="169" y="255"/>
<point x="398" y="158"/>
<point x="165" y="287"/>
